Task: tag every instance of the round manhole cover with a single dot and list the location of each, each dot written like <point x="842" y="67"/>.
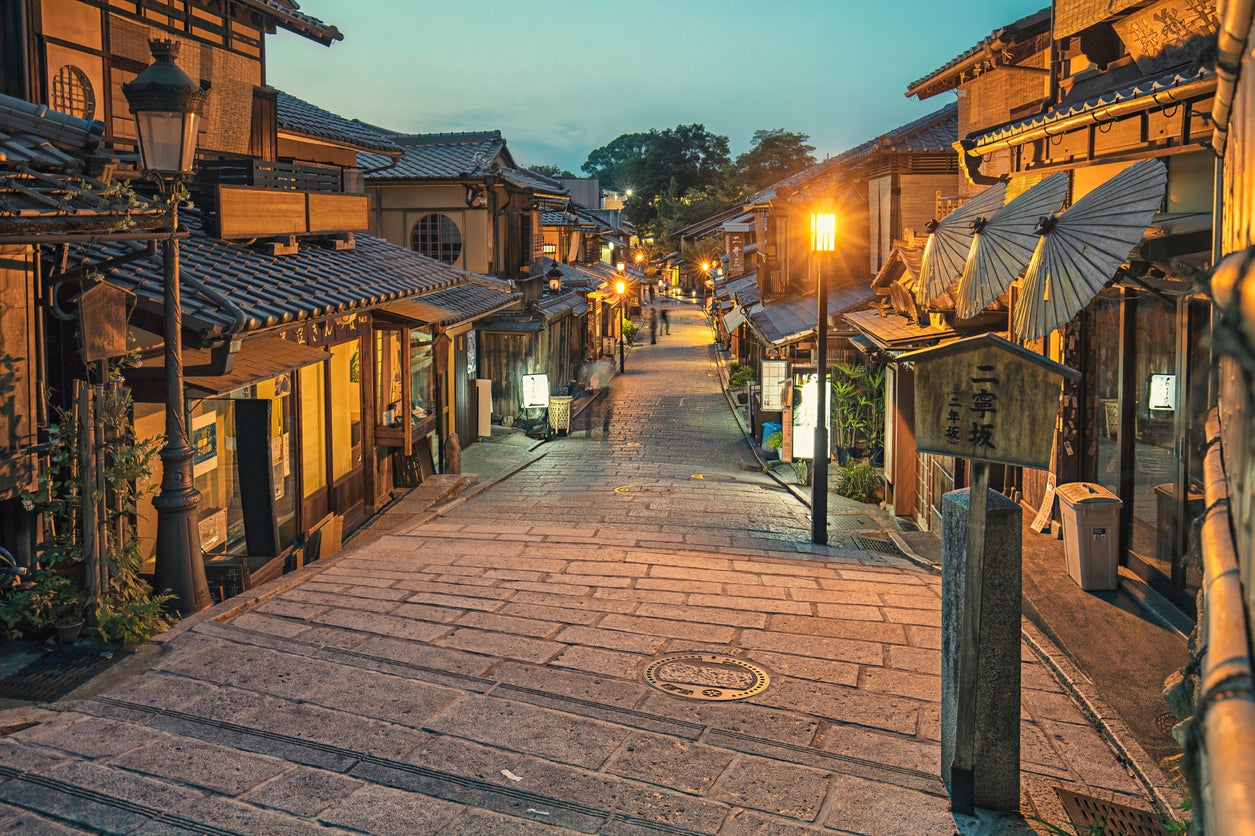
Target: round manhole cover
<point x="1165" y="722"/>
<point x="706" y="676"/>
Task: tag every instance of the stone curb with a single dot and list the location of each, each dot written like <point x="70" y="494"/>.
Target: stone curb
<point x="1163" y="794"/>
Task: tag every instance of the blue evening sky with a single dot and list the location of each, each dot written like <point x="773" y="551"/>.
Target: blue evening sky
<point x="561" y="77"/>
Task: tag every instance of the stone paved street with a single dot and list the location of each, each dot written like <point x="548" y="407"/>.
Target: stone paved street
<point x="480" y="673"/>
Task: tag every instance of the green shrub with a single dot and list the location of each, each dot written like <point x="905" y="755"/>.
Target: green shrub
<point x="629" y="330"/>
<point x="858" y="480"/>
<point x="740" y="375"/>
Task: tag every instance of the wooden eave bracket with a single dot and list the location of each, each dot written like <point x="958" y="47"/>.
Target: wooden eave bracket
<point x="279" y="245"/>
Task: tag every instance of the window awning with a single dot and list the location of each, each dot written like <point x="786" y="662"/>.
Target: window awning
<point x="258" y="359"/>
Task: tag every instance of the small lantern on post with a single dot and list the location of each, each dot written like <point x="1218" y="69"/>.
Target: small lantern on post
<point x="555" y="279"/>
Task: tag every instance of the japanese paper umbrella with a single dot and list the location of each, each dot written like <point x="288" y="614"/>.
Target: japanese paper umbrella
<point x="949" y="241"/>
<point x="1003" y="244"/>
<point x="1082" y="247"/>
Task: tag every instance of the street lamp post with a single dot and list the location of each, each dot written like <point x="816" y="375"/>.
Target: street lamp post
<point x="167" y="106"/>
<point x="823" y="242"/>
<point x="620" y="287"/>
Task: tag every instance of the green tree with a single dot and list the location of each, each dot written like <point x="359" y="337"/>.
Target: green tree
<point x="550" y="170"/>
<point x="607" y="162"/>
<point x="772" y="156"/>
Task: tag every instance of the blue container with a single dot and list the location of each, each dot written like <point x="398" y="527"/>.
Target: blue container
<point x="770" y="428"/>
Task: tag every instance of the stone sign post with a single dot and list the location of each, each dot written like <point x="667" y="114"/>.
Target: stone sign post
<point x="987" y="400"/>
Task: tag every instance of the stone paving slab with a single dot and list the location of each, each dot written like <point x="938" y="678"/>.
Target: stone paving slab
<point x="479" y="671"/>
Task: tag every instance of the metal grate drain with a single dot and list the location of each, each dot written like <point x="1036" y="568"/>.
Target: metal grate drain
<point x="58" y="672"/>
<point x="1094" y="815"/>
<point x="873" y="544"/>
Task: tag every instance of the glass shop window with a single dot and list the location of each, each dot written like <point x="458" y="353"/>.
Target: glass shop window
<point x="422" y="374"/>
<point x="279" y="391"/>
<point x="313" y="430"/>
<point x="388" y="377"/>
<point x="212" y="436"/>
<point x="345" y="406"/>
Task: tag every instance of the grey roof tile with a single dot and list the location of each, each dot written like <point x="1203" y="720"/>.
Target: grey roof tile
<point x="299" y="116"/>
<point x="786" y="320"/>
<point x="438" y="156"/>
<point x="1145" y="88"/>
<point x="288" y="16"/>
<point x="230" y="288"/>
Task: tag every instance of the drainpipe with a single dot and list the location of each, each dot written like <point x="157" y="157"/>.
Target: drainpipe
<point x="1230" y="46"/>
<point x="1226" y="702"/>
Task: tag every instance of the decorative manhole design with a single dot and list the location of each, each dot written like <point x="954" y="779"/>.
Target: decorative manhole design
<point x="706" y="676"/>
<point x="1165" y="722"/>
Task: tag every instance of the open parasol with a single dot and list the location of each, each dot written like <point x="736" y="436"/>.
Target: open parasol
<point x="949" y="240"/>
<point x="1003" y="244"/>
<point x="1082" y="247"/>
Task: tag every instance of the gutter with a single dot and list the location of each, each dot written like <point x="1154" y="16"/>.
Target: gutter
<point x="1231" y="41"/>
<point x="1226" y="702"/>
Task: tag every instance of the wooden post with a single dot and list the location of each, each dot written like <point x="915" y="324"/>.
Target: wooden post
<point x="961" y="795"/>
<point x="89" y="527"/>
<point x="100" y="499"/>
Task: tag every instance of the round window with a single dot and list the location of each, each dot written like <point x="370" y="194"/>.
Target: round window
<point x="72" y="93"/>
<point x="437" y="236"/>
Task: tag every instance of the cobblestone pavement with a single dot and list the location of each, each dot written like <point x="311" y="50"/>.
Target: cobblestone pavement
<point x="481" y="673"/>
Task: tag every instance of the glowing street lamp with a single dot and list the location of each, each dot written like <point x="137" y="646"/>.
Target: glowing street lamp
<point x="823" y="244"/>
<point x="167" y="105"/>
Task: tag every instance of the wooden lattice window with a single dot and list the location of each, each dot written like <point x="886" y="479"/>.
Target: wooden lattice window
<point x="72" y="93"/>
<point x="438" y="237"/>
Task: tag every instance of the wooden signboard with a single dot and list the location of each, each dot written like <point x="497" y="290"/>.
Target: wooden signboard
<point x="102" y="321"/>
<point x="987" y="399"/>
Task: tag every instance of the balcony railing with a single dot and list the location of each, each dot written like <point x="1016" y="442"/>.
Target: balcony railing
<point x="282" y="176"/>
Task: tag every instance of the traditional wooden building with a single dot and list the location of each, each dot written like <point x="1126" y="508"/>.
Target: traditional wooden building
<point x="1220" y="697"/>
<point x="460" y="198"/>
<point x="1090" y="95"/>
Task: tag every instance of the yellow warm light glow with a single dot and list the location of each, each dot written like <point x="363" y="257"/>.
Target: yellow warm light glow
<point x="705" y="266"/>
<point x="620" y="266"/>
<point x="823" y="232"/>
<point x="639" y="258"/>
<point x="620" y="287"/>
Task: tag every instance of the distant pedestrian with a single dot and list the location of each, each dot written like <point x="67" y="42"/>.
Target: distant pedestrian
<point x="666" y="320"/>
<point x="607" y="415"/>
<point x="651" y="294"/>
<point x="653" y="326"/>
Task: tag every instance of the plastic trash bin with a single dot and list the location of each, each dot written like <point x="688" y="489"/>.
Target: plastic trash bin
<point x="1091" y="542"/>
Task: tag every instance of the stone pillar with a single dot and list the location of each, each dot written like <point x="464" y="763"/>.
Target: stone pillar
<point x="996" y="765"/>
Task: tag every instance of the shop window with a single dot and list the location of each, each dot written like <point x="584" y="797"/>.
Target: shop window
<point x="346" y="409"/>
<point x="422" y="374"/>
<point x="438" y="237"/>
<point x="313" y="430"/>
<point x="72" y="93"/>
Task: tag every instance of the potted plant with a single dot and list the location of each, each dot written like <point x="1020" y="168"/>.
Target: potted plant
<point x="740" y="378"/>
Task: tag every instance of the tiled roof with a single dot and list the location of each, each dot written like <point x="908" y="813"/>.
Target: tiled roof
<point x="741" y="289"/>
<point x="230" y="288"/>
<point x="1146" y="88"/>
<point x="997" y="40"/>
<point x="787" y="320"/>
<point x="299" y="116"/>
<point x="37" y="136"/>
<point x="525" y="179"/>
<point x="467" y="300"/>
<point x="573" y="275"/>
<point x="934" y="133"/>
<point x="43" y="189"/>
<point x="438" y="156"/>
<point x="897" y="332"/>
<point x="287" y="15"/>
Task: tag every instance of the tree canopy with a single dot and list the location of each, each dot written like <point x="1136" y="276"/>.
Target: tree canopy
<point x="550" y="170"/>
<point x="772" y="156"/>
<point x="677" y="176"/>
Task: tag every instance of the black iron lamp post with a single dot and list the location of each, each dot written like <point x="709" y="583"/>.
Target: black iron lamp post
<point x="167" y="105"/>
<point x="823" y="243"/>
<point x="620" y="288"/>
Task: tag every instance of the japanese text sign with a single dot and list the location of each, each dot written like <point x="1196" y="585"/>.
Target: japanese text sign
<point x="987" y="399"/>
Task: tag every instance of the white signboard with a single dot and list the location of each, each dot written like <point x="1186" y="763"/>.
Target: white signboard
<point x="1163" y="391"/>
<point x="775" y="376"/>
<point x="805" y="414"/>
<point x="535" y="390"/>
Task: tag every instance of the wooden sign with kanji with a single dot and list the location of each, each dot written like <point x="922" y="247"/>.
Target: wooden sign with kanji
<point x="987" y="399"/>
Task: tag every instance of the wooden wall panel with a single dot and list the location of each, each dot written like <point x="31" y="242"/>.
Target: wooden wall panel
<point x="248" y="213"/>
<point x="338" y="212"/>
